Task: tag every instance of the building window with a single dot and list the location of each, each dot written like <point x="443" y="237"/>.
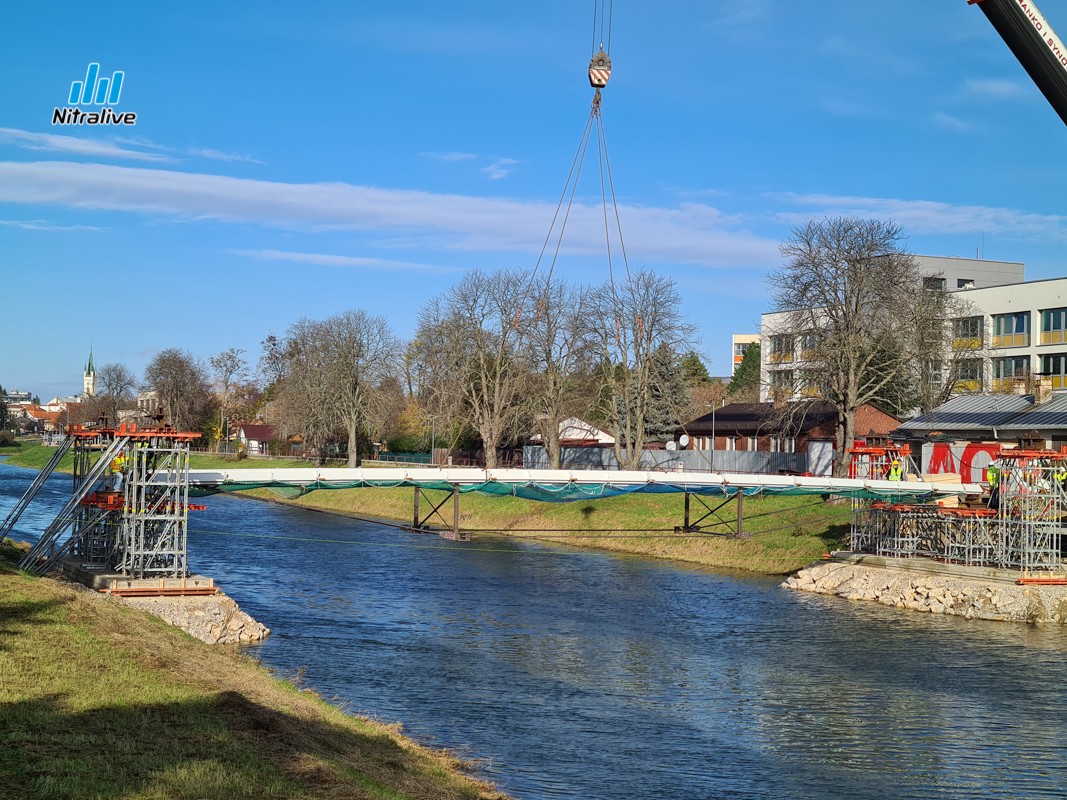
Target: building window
<point x="964" y="283"/>
<point x="808" y="342"/>
<point x="1011" y="330"/>
<point x="782" y="383"/>
<point x="740" y="348"/>
<point x="1054" y="326"/>
<point x="1008" y="373"/>
<point x="782" y="348"/>
<point x="967" y="375"/>
<point x="811" y="384"/>
<point x="1055" y="367"/>
<point x="783" y="444"/>
<point x="935" y="283"/>
<point x="967" y="333"/>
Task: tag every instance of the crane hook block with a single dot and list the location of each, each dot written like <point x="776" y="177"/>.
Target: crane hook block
<point x="599" y="70"/>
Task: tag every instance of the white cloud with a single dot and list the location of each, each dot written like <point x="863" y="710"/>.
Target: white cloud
<point x="930" y="217"/>
<point x="994" y="89"/>
<point x="692" y="233"/>
<point x="54" y="142"/>
<point x="330" y="260"/>
<point x="943" y="120"/>
<point x="218" y="155"/>
<point x="499" y="168"/>
<point x="45" y="225"/>
<point x="450" y="157"/>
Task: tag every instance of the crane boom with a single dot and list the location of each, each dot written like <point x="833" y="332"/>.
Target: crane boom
<point x="1035" y="45"/>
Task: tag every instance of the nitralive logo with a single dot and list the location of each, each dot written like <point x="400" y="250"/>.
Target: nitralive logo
<point x="94" y="90"/>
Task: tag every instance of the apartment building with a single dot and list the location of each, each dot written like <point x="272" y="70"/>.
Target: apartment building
<point x="1006" y="309"/>
<point x="740" y="342"/>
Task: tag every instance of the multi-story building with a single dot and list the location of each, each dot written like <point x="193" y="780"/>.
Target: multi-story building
<point x="740" y="343"/>
<point x="998" y="333"/>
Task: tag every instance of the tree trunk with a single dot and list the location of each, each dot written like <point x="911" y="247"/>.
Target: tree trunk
<point x="552" y="444"/>
<point x="353" y="444"/>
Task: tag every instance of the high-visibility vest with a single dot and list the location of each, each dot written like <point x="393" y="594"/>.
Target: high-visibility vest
<point x="119" y="464"/>
<point x="895" y="473"/>
<point x="992" y="476"/>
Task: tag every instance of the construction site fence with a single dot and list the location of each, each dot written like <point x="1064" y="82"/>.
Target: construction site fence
<point x="748" y="462"/>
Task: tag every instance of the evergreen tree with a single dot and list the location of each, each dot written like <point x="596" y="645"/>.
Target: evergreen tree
<point x="669" y="395"/>
<point x="694" y="373"/>
<point x="744" y="386"/>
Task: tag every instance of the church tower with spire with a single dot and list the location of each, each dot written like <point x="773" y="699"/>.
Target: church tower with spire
<point x="89" y="379"/>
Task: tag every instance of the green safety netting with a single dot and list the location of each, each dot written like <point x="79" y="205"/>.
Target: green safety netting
<point x="553" y="492"/>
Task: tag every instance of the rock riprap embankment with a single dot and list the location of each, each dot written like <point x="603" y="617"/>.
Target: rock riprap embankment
<point x="216" y="619"/>
<point x="936" y="594"/>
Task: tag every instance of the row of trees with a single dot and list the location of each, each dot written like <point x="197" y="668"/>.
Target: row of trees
<point x="495" y="355"/>
<point x="494" y="358"/>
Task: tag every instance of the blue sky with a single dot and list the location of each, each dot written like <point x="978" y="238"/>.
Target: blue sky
<point x="300" y="160"/>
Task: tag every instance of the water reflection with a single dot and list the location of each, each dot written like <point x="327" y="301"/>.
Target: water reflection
<point x="584" y="675"/>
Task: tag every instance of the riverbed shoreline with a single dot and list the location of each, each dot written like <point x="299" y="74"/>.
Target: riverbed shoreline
<point x="911" y="588"/>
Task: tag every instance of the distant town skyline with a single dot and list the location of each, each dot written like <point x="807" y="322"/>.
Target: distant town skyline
<point x="352" y="155"/>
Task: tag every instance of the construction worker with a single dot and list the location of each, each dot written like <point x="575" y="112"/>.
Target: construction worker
<point x="118" y="467"/>
<point x="1059" y="475"/>
<point x="992" y="478"/>
<point x="895" y="472"/>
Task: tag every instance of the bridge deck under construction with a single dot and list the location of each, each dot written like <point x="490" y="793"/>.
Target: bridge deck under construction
<point x="566" y="485"/>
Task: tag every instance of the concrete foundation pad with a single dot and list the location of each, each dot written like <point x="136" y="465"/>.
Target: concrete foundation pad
<point x="96" y="577"/>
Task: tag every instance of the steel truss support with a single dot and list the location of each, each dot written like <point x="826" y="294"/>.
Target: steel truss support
<point x="694" y="526"/>
<point x="452" y="527"/>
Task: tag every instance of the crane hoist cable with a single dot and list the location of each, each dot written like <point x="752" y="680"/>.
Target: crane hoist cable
<point x="599" y="74"/>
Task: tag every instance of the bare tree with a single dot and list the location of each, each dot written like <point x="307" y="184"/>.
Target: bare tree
<point x="180" y="382"/>
<point x="630" y="321"/>
<point x="332" y="377"/>
<point x="115" y="387"/>
<point x="560" y="353"/>
<point x="853" y="298"/>
<point x="363" y="353"/>
<point x="229" y="370"/>
<point x="472" y="342"/>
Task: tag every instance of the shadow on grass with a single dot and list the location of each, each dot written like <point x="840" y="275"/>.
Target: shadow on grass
<point x="835" y="536"/>
<point x="14" y="616"/>
<point x="226" y="746"/>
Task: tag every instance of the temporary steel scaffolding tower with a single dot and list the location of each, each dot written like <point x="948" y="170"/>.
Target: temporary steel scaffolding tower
<point x="1021" y="527"/>
<point x="129" y="509"/>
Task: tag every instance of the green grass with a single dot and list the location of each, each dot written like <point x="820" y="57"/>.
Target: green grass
<point x="782" y="534"/>
<point x="98" y="700"/>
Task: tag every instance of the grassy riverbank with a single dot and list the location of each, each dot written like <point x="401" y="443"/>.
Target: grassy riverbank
<point x="99" y="700"/>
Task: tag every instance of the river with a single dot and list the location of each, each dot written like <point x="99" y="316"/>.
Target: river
<point x="573" y="674"/>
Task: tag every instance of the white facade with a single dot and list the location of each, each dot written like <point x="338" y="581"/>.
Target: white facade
<point x="1008" y="331"/>
<point x="1023" y="334"/>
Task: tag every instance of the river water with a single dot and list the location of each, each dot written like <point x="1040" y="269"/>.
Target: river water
<point x="573" y="674"/>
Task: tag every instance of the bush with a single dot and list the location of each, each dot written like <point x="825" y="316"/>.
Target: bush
<point x="7" y="439"/>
